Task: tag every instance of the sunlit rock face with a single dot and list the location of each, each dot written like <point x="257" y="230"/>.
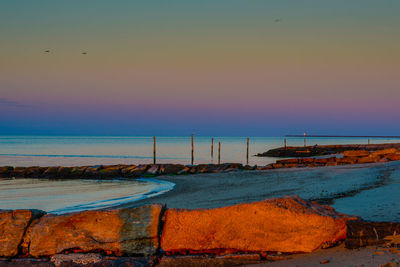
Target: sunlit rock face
<point x="287" y="224"/>
<point x="119" y="231"/>
<point x="13" y="224"/>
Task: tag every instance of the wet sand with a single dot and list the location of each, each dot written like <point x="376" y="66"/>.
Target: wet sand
<point x="340" y="257"/>
<point x="351" y="187"/>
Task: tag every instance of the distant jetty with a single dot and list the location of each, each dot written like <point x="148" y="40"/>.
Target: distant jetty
<point x="317" y="150"/>
<point x="344" y="136"/>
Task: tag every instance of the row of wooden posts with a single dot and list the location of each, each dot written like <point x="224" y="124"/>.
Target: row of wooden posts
<point x="219" y="149"/>
<point x="305" y="144"/>
<point x="212" y="150"/>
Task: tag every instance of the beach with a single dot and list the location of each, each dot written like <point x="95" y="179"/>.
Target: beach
<point x="348" y="186"/>
<point x="339" y="257"/>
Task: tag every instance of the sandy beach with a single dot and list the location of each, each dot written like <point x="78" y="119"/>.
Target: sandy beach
<point x="340" y="257"/>
<point x="348" y="186"/>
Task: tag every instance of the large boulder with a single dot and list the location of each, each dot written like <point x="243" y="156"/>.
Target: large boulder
<point x="118" y="231"/>
<point x="13" y="224"/>
<point x="287" y="224"/>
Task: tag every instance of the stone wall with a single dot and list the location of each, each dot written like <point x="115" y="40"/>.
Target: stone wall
<point x="116" y="171"/>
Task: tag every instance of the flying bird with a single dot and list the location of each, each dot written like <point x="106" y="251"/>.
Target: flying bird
<point x="84" y="53"/>
<point x="277" y="20"/>
<point x="47" y="51"/>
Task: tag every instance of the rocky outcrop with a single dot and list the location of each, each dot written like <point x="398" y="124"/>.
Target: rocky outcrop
<point x="356" y="153"/>
<point x="361" y="233"/>
<point x="120" y="231"/>
<point x="320" y="150"/>
<point x="13" y="224"/>
<point x="349" y="157"/>
<point x="285" y="224"/>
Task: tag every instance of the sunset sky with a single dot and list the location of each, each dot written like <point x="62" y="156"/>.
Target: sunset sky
<point x="209" y="67"/>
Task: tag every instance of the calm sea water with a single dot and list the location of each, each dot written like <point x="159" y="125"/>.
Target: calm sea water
<point x="92" y="150"/>
<point x="63" y="196"/>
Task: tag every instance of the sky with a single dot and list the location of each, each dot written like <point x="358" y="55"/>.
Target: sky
<point x="234" y="68"/>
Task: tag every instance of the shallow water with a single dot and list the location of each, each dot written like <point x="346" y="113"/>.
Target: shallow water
<point x="62" y="196"/>
<point x="381" y="203"/>
<point x="94" y="150"/>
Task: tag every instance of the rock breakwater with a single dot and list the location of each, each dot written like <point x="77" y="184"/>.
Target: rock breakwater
<point x="116" y="171"/>
<point x="321" y="150"/>
<point x="349" y="157"/>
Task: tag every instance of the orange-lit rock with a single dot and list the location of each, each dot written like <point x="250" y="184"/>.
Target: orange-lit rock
<point x="277" y="165"/>
<point x="321" y="161"/>
<point x="287" y="224"/>
<point x="118" y="231"/>
<point x="393" y="157"/>
<point x="288" y="161"/>
<point x="306" y="160"/>
<point x="347" y="160"/>
<point x="331" y="163"/>
<point x="356" y="153"/>
<point x="384" y="152"/>
<point x="291" y="165"/>
<point x="266" y="167"/>
<point x="13" y="224"/>
<point x="368" y="159"/>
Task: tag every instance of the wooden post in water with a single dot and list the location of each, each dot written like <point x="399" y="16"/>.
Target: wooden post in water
<point x="219" y="153"/>
<point x="154" y="150"/>
<point x="369" y="142"/>
<point x="304" y="139"/>
<point x="284" y="143"/>
<point x="212" y="149"/>
<point x="192" y="150"/>
<point x="247" y="152"/>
